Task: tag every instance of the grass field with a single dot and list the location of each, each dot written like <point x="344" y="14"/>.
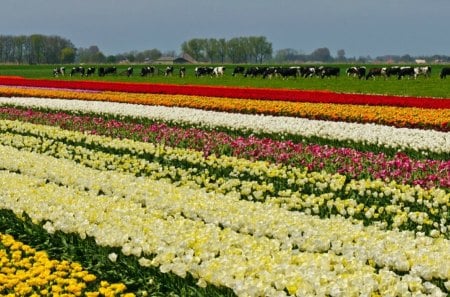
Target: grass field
<point x="421" y="87"/>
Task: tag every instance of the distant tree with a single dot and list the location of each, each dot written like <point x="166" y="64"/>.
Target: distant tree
<point x="111" y="59"/>
<point x="68" y="55"/>
<point x="237" y="49"/>
<point x="90" y="55"/>
<point x="222" y="49"/>
<point x="259" y="48"/>
<point x="341" y="55"/>
<point x="195" y="48"/>
<point x="211" y="49"/>
<point x="321" y="54"/>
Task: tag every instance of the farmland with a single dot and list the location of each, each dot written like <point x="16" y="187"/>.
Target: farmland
<point x="422" y="87"/>
<point x="165" y="186"/>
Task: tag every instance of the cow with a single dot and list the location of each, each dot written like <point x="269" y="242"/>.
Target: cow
<point x="406" y="71"/>
<point x="286" y="72"/>
<point x="374" y="72"/>
<point x="75" y="70"/>
<point x="182" y="72"/>
<point x="255" y="71"/>
<point x="444" y="72"/>
<point x="356" y="71"/>
<point x="270" y="71"/>
<point x="90" y="71"/>
<point x="422" y="70"/>
<point x="200" y="71"/>
<point x="308" y="71"/>
<point x="148" y="70"/>
<point x="219" y="71"/>
<point x="59" y="71"/>
<point x="168" y="71"/>
<point x="238" y="70"/>
<point x="102" y="71"/>
<point x="329" y="71"/>
<point x="128" y="72"/>
<point x="392" y="71"/>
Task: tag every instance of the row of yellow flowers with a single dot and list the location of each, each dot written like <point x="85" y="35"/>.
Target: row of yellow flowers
<point x="388" y="115"/>
<point x="297" y="188"/>
<point x="27" y="272"/>
<point x="256" y="249"/>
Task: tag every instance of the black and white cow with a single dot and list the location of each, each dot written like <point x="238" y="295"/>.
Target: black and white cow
<point x="128" y="72"/>
<point x="75" y="70"/>
<point x="90" y="71"/>
<point x="406" y="71"/>
<point x="356" y="71"/>
<point x="392" y="71"/>
<point x="329" y="71"/>
<point x="182" y="72"/>
<point x="219" y="71"/>
<point x="148" y="70"/>
<point x="168" y="71"/>
<point x="270" y="71"/>
<point x="286" y="72"/>
<point x="422" y="70"/>
<point x="102" y="71"/>
<point x="377" y="71"/>
<point x="200" y="71"/>
<point x="238" y="70"/>
<point x="59" y="71"/>
<point x="308" y="71"/>
<point x="255" y="71"/>
<point x="444" y="72"/>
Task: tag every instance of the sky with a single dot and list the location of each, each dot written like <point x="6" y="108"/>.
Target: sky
<point x="360" y="27"/>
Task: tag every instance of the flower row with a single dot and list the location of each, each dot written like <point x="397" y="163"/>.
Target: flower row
<point x="395" y="206"/>
<point x="27" y="272"/>
<point x="366" y="134"/>
<point x="437" y="119"/>
<point x="224" y="241"/>
<point x="349" y="162"/>
<point x="233" y="92"/>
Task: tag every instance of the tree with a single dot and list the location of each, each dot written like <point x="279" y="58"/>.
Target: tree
<point x="90" y="55"/>
<point x="68" y="55"/>
<point x="341" y="55"/>
<point x="259" y="48"/>
<point x="195" y="48"/>
<point x="321" y="54"/>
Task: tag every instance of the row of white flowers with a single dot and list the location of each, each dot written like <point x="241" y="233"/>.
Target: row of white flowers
<point x="255" y="249"/>
<point x="327" y="190"/>
<point x="399" y="138"/>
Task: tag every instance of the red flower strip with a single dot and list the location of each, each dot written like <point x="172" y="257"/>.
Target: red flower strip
<point x="235" y="92"/>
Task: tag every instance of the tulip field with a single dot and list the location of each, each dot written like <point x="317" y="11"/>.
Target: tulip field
<point x="145" y="189"/>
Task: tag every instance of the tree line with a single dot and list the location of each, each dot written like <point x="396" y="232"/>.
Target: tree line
<point x="42" y="49"/>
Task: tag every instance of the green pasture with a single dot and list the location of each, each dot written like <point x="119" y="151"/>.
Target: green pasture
<point x="423" y="87"/>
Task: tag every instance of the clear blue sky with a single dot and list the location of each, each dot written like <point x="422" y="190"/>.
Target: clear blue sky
<point x="360" y="27"/>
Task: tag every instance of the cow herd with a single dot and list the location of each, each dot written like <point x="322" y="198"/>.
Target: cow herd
<point x="360" y="72"/>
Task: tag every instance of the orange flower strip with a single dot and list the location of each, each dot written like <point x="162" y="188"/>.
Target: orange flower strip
<point x="410" y="117"/>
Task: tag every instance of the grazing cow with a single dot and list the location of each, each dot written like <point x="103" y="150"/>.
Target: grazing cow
<point x="255" y="71"/>
<point x="356" y="71"/>
<point x="182" y="72"/>
<point x="200" y="71"/>
<point x="75" y="70"/>
<point x="444" y="72"/>
<point x="219" y="71"/>
<point x="423" y="70"/>
<point x="406" y="71"/>
<point x="90" y="71"/>
<point x="286" y="72"/>
<point x="392" y="71"/>
<point x="374" y="72"/>
<point x="270" y="71"/>
<point x="329" y="71"/>
<point x="59" y="71"/>
<point x="102" y="71"/>
<point x="168" y="71"/>
<point x="238" y="70"/>
<point x="148" y="70"/>
<point x="308" y="71"/>
<point x="128" y="72"/>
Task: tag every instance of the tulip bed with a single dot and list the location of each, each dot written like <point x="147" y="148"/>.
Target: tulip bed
<point x="196" y="194"/>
